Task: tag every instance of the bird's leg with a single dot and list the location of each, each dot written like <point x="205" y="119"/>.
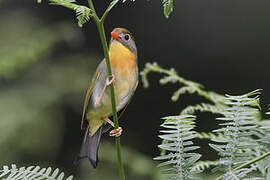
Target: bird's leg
<point x="115" y="132"/>
<point x="108" y="83"/>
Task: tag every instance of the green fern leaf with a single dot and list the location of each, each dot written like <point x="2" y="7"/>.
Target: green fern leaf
<point x="177" y="141"/>
<point x="238" y="127"/>
<point x="240" y="174"/>
<point x="32" y="172"/>
<point x="212" y="136"/>
<point x="202" y="165"/>
<point x="190" y="87"/>
<point x="203" y="107"/>
<point x="83" y="13"/>
<point x="168" y="7"/>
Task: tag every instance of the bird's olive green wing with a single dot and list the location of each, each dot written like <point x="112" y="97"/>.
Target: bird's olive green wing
<point x="88" y="95"/>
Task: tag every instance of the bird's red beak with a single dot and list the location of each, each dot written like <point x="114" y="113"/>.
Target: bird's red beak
<point x="114" y="35"/>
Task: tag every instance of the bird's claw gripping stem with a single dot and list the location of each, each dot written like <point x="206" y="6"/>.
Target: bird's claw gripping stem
<point x="110" y="80"/>
<point x="115" y="132"/>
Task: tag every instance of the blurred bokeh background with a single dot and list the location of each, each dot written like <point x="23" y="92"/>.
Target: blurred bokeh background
<point x="46" y="64"/>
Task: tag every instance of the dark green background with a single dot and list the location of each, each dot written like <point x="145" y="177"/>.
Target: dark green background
<point x="223" y="45"/>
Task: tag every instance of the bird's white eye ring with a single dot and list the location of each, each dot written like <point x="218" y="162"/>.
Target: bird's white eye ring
<point x="127" y="37"/>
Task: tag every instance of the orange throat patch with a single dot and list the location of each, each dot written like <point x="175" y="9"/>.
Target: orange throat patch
<point x="121" y="58"/>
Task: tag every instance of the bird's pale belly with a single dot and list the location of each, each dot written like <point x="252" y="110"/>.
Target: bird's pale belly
<point x="123" y="88"/>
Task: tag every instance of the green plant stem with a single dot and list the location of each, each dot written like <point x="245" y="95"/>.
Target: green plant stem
<point x="115" y="118"/>
<point x="247" y="164"/>
<point x="100" y="27"/>
<point x="91" y="5"/>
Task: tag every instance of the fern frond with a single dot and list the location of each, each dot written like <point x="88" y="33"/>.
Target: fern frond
<point x="215" y="97"/>
<point x="210" y="135"/>
<point x="177" y="137"/>
<point x="182" y="90"/>
<point x="200" y="166"/>
<point x="264" y="167"/>
<point x="154" y="67"/>
<point x="203" y="107"/>
<point x="268" y="112"/>
<point x="168" y="7"/>
<point x="263" y="138"/>
<point x="126" y="0"/>
<point x="171" y="76"/>
<point x="83" y="13"/>
<point x="32" y="172"/>
<point x="238" y="127"/>
<point x="264" y="132"/>
<point x="240" y="174"/>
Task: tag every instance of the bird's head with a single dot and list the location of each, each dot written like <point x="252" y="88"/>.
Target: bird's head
<point x="124" y="37"/>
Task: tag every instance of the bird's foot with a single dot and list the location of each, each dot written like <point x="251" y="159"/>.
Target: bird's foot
<point x="116" y="132"/>
<point x="110" y="80"/>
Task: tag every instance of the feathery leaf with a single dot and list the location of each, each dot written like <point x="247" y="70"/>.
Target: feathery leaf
<point x="83" y="13"/>
<point x="168" y="7"/>
<point x="179" y="147"/>
<point x="235" y="147"/>
<point x="32" y="172"/>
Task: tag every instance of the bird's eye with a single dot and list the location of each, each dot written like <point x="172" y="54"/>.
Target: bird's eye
<point x="127" y="37"/>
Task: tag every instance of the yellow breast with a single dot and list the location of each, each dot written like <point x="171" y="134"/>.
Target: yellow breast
<point x="124" y="67"/>
<point x="121" y="58"/>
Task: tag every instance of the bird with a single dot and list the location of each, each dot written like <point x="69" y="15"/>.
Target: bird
<point x="97" y="104"/>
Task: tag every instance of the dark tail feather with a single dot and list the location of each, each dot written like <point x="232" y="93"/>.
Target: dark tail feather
<point x="89" y="148"/>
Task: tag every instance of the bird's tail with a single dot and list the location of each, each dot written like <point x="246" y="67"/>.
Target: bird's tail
<point x="89" y="147"/>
